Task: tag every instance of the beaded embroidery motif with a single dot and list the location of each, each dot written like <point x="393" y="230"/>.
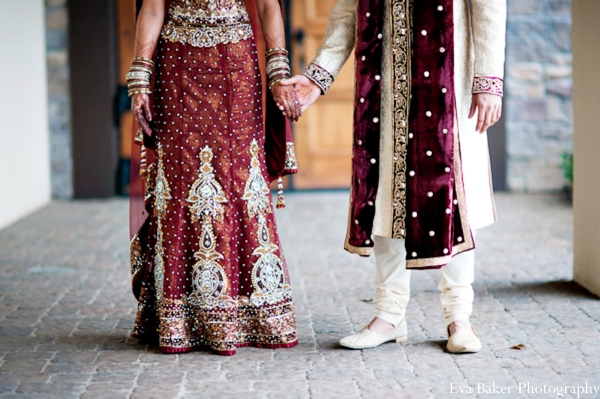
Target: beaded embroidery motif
<point x="208" y="12"/>
<point x="136" y="256"/>
<point x="206" y="23"/>
<point x="206" y="195"/>
<point x="268" y="277"/>
<point x="207" y="198"/>
<point x="257" y="191"/>
<point x="162" y="194"/>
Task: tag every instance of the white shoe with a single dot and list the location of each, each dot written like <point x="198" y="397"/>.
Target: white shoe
<point x="365" y="338"/>
<point x="464" y="340"/>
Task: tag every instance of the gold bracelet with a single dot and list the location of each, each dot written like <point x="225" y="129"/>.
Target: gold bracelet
<point x="135" y="85"/>
<point x="277" y="49"/>
<point x="279" y="76"/>
<point x="279" y="58"/>
<point x="142" y="59"/>
<point x="281" y="72"/>
<point x="277" y="66"/>
<point x="133" y="75"/>
<point x="140" y="68"/>
<point x="273" y="83"/>
<point x="139" y="91"/>
<point x="274" y="50"/>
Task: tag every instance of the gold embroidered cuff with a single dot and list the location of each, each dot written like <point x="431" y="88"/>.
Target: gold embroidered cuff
<point x="488" y="84"/>
<point x="319" y="75"/>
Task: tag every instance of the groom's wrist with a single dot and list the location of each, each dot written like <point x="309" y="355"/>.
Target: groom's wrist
<point x="319" y="76"/>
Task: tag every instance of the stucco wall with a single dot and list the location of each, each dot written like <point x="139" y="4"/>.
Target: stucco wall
<point x="24" y="140"/>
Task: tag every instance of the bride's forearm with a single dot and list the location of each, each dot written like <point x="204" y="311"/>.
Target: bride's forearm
<point x="150" y="21"/>
<point x="271" y="20"/>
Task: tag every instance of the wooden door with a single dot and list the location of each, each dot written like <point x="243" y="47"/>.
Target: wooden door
<point x="125" y="45"/>
<point x="92" y="61"/>
<point x="323" y="136"/>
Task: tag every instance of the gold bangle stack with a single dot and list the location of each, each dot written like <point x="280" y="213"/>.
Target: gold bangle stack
<point x="138" y="77"/>
<point x="278" y="65"/>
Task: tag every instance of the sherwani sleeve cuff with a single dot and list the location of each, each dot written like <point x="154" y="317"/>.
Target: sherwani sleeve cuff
<point x="488" y="84"/>
<point x="319" y="76"/>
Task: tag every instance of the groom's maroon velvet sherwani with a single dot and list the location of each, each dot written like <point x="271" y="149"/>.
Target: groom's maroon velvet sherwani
<point x="427" y="202"/>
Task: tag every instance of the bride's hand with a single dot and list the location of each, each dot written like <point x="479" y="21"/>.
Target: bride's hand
<point x="140" y="105"/>
<point x="308" y="92"/>
<point x="287" y="101"/>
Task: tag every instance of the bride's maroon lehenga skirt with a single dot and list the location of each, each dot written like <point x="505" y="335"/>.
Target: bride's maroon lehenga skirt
<point x="207" y="265"/>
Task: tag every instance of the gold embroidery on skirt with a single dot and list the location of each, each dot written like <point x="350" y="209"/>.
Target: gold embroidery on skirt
<point x="162" y="195"/>
<point x="268" y="277"/>
<point x="207" y="198"/>
<point x="257" y="192"/>
<point x="159" y="264"/>
<point x="162" y="191"/>
<point x="206" y="195"/>
<point x="183" y="326"/>
<point x="137" y="257"/>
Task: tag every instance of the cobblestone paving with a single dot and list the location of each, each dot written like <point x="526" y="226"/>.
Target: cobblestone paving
<point x="66" y="310"/>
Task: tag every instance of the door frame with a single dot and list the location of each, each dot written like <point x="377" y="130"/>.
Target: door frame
<point x="93" y="65"/>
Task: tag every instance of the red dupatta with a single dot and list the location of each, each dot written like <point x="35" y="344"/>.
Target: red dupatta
<point x="280" y="158"/>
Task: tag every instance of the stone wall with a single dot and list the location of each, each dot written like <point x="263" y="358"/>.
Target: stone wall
<point x="539" y="106"/>
<point x="59" y="107"/>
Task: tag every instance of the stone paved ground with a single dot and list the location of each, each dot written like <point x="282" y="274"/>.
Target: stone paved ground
<point x="66" y="309"/>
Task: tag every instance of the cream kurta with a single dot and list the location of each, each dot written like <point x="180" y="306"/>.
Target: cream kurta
<point x="479" y="40"/>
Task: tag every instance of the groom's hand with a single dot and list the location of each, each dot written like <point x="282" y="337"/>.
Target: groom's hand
<point x="488" y="108"/>
<point x="306" y="89"/>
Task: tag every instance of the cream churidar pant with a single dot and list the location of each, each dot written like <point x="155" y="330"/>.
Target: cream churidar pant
<point x="392" y="282"/>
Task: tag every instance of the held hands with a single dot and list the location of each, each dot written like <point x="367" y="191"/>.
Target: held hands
<point x="287" y="100"/>
<point x="488" y="108"/>
<point x="140" y="105"/>
<point x="306" y="90"/>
